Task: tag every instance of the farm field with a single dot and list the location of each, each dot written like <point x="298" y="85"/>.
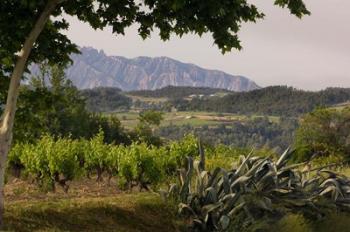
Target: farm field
<point x="130" y="119"/>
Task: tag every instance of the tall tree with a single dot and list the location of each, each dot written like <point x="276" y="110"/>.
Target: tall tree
<point x="29" y="34"/>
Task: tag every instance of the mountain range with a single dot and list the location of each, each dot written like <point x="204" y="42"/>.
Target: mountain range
<point x="93" y="68"/>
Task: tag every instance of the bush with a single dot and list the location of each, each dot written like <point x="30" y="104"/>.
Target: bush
<point x="324" y="133"/>
<point x="49" y="161"/>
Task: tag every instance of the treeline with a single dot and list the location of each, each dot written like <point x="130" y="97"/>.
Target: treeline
<point x="276" y="100"/>
<point x="174" y="92"/>
<point x="254" y="133"/>
<point x="106" y="99"/>
<point x="50" y="104"/>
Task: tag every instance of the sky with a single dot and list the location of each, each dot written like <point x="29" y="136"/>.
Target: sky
<point x="312" y="53"/>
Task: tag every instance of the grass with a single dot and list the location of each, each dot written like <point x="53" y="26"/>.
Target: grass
<point x="88" y="206"/>
<point x="123" y="212"/>
<point x="91" y="206"/>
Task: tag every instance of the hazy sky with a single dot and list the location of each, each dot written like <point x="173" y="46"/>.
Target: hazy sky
<point x="312" y="53"/>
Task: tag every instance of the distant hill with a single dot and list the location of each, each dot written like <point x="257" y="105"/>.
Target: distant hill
<point x="275" y="100"/>
<point x="93" y="68"/>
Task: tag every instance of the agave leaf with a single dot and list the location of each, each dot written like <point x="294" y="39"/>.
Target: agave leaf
<point x="201" y="165"/>
<point x="225" y="183"/>
<point x="186" y="209"/>
<point x="229" y="197"/>
<point x="186" y="186"/>
<point x="210" y="208"/>
<point x="335" y="195"/>
<point x="196" y="165"/>
<point x="210" y="195"/>
<point x="240" y="180"/>
<point x="336" y="185"/>
<point x="240" y="168"/>
<point x="173" y="189"/>
<point x="292" y="166"/>
<point x="195" y="203"/>
<point x="282" y="191"/>
<point x="182" y="175"/>
<point x="198" y="224"/>
<point x="327" y="190"/>
<point x="270" y="175"/>
<point x="262" y="204"/>
<point x="236" y="209"/>
<point x="297" y="202"/>
<point x="214" y="177"/>
<point x="310" y="182"/>
<point x="282" y="160"/>
<point x="263" y="170"/>
<point x="202" y="182"/>
<point x="224" y="222"/>
<point x="345" y="189"/>
<point x="189" y="165"/>
<point x="255" y="167"/>
<point x="229" y="202"/>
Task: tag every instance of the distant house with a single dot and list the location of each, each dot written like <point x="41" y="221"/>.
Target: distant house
<point x="196" y="96"/>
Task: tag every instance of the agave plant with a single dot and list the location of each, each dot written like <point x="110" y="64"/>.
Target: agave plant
<point x="257" y="188"/>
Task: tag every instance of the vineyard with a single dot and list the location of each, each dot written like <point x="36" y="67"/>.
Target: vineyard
<point x="220" y="188"/>
<point x="52" y="162"/>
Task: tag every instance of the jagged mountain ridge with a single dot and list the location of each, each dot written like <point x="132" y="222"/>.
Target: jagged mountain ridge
<point x="93" y="68"/>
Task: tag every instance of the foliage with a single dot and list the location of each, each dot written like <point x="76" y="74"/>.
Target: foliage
<point x="222" y="19"/>
<point x="271" y="101"/>
<point x="51" y="104"/>
<point x="95" y="155"/>
<point x="59" y="160"/>
<point x="106" y="99"/>
<point x="324" y="133"/>
<point x="275" y="100"/>
<point x="256" y="191"/>
<point x="254" y="132"/>
<point x="151" y="117"/>
<point x="48" y="160"/>
<point x="148" y="120"/>
<point x="141" y="166"/>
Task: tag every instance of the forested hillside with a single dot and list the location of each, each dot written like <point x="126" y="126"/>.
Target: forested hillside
<point x="105" y="99"/>
<point x="275" y="100"/>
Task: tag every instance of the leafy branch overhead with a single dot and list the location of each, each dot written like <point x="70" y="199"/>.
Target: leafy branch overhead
<point x="221" y="18"/>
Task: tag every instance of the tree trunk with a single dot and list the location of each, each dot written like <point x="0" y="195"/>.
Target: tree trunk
<point x="7" y="119"/>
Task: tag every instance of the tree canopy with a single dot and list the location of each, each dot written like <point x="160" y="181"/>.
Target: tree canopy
<point x="324" y="133"/>
<point x="221" y="18"/>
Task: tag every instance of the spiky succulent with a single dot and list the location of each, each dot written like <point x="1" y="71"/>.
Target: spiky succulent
<point x="258" y="188"/>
